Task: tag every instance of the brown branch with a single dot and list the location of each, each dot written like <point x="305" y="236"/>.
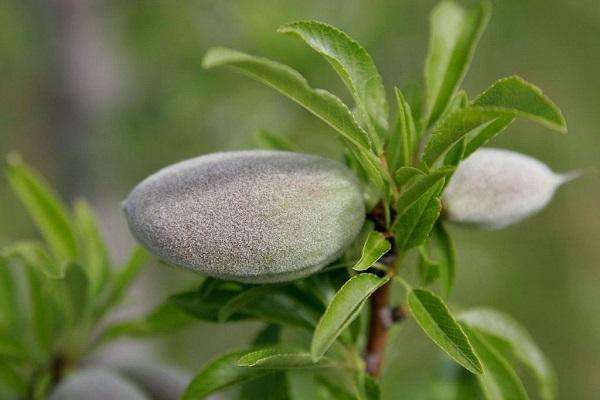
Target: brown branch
<point x="380" y="321"/>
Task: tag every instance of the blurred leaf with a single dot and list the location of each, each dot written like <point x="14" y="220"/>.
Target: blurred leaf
<point x="220" y="374"/>
<point x="418" y="189"/>
<point x="285" y="307"/>
<point x="445" y="257"/>
<point x="455" y="383"/>
<point x="75" y="285"/>
<point x="12" y="383"/>
<point x="401" y="144"/>
<point x="414" y="226"/>
<point x="498" y="380"/>
<point x="47" y="318"/>
<point x="454" y="35"/>
<point x="124" y="277"/>
<point x="429" y="270"/>
<point x="94" y="256"/>
<point x="48" y="212"/>
<point x="368" y="388"/>
<point x="356" y="68"/>
<point x="522" y="99"/>
<point x="12" y="347"/>
<point x="342" y="310"/>
<point x="303" y="385"/>
<point x="435" y="319"/>
<point x="206" y="308"/>
<point x="34" y="254"/>
<point x="279" y="357"/>
<point x="375" y="247"/>
<point x="166" y="318"/>
<point x="242" y="300"/>
<point x="405" y="174"/>
<point x="331" y="391"/>
<point x="11" y="316"/>
<point x="519" y="341"/>
<point x="290" y="83"/>
<point x="272" y="141"/>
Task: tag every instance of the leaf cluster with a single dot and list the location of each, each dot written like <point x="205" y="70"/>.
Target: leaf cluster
<point x="404" y="162"/>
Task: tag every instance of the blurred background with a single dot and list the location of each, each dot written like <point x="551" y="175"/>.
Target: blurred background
<point x="97" y="94"/>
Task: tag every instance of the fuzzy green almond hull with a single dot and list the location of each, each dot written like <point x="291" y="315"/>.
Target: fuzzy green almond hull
<point x="494" y="188"/>
<point x="249" y="216"/>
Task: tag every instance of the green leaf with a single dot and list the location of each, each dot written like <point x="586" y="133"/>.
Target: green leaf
<point x="34" y="254"/>
<point x="331" y="391"/>
<point x="522" y="99"/>
<point x="429" y="270"/>
<point x="46" y="317"/>
<point x="520" y="343"/>
<point x="13" y="347"/>
<point x="279" y="357"/>
<point x="375" y="247"/>
<point x="446" y="257"/>
<point x="289" y="82"/>
<point x="94" y="256"/>
<point x="414" y="226"/>
<point x="124" y="278"/>
<point x="206" y="306"/>
<point x="220" y="374"/>
<point x="166" y="318"/>
<point x="342" y="310"/>
<point x="433" y="316"/>
<point x="368" y="388"/>
<point x="11" y="314"/>
<point x="75" y="287"/>
<point x="405" y="174"/>
<point x="303" y="385"/>
<point x="272" y="141"/>
<point x="498" y="380"/>
<point x="274" y="386"/>
<point x="470" y="120"/>
<point x="12" y="382"/>
<point x="354" y="65"/>
<point x="421" y="186"/>
<point x="454" y="35"/>
<point x="401" y="146"/>
<point x="485" y="134"/>
<point x="242" y="300"/>
<point x="48" y="212"/>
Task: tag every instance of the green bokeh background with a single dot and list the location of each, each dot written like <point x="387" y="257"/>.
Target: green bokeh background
<point x="142" y="101"/>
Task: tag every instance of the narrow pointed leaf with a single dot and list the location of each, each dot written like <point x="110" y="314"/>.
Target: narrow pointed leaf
<point x="374" y="248"/>
<point x="401" y="146"/>
<point x="485" y="134"/>
<point x="220" y="374"/>
<point x="446" y="258"/>
<point x="243" y="299"/>
<point x="289" y="82"/>
<point x="11" y="314"/>
<point x="419" y="188"/>
<point x="353" y="64"/>
<point x="522" y="346"/>
<point x="34" y="254"/>
<point x="498" y="380"/>
<point x="124" y="278"/>
<point x="342" y="310"/>
<point x="454" y="35"/>
<point x="470" y="120"/>
<point x="405" y="174"/>
<point x="272" y="141"/>
<point x="46" y="209"/>
<point x="523" y="99"/>
<point x="414" y="226"/>
<point x="433" y="316"/>
<point x="94" y="255"/>
<point x="279" y="357"/>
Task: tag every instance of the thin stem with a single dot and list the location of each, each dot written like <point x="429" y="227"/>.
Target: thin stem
<point x="379" y="324"/>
